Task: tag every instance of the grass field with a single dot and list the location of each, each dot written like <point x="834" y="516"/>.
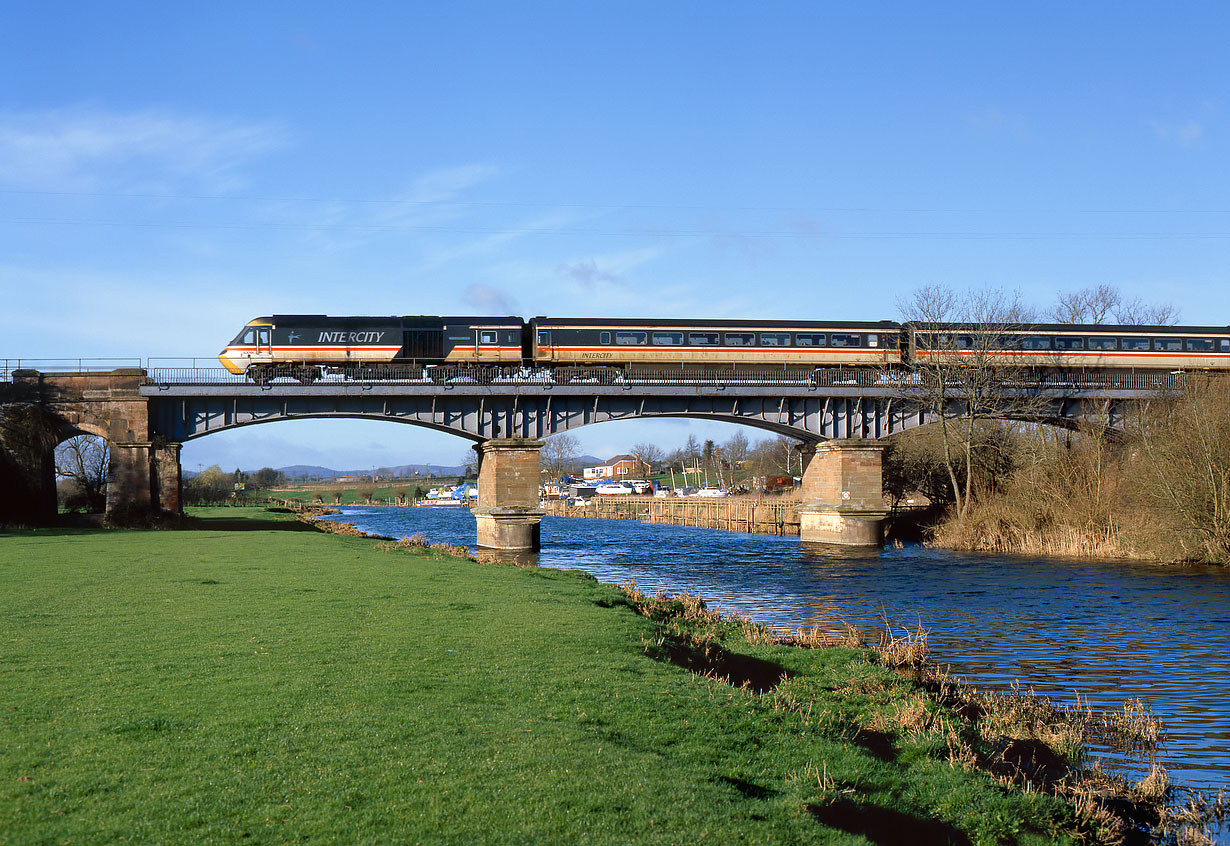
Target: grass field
<point x="255" y="679"/>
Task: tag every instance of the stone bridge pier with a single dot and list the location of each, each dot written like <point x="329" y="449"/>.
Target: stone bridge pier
<point x="144" y="470"/>
<point x="843" y="494"/>
<point x="507" y="512"/>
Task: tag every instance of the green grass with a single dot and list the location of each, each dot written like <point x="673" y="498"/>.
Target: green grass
<point x="254" y="679"/>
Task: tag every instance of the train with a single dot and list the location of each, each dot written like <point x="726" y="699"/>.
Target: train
<point x="307" y="347"/>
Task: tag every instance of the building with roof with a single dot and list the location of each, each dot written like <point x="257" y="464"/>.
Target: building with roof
<point x="619" y="467"/>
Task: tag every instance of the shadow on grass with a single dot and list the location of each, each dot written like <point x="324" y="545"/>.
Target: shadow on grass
<point x="749" y="790"/>
<point x="77" y="524"/>
<point x="215" y="524"/>
<point x="742" y="671"/>
<point x="882" y="825"/>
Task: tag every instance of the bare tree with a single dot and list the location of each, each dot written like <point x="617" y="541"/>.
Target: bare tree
<point x="964" y="370"/>
<point x="1088" y="305"/>
<point x="1139" y="313"/>
<point x="469" y="463"/>
<point x="649" y="455"/>
<point x="1185" y="453"/>
<point x="736" y="449"/>
<point x="84" y="460"/>
<point x="559" y="455"/>
<point x="778" y="456"/>
<point x="1094" y="305"/>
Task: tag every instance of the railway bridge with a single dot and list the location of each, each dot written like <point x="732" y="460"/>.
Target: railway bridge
<point x="840" y="415"/>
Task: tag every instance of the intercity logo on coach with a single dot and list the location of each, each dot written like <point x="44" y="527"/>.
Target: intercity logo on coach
<point x="350" y="337"/>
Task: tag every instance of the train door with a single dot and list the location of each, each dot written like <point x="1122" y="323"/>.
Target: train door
<point x="487" y="345"/>
<point x="545" y="352"/>
<point x="264" y="344"/>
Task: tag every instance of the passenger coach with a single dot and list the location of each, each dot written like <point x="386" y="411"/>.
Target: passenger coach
<point x="1069" y="346"/>
<point x="690" y="344"/>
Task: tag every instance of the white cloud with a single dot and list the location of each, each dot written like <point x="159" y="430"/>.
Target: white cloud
<point x="444" y="184"/>
<point x="1185" y="134"/>
<point x="91" y="149"/>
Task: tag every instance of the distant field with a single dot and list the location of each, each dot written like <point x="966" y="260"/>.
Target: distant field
<point x="256" y="679"/>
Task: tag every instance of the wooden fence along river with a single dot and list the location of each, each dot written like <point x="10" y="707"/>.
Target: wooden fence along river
<point x="737" y="514"/>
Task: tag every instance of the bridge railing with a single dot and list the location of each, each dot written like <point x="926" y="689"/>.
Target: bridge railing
<point x="872" y="378"/>
<point x="64" y="365"/>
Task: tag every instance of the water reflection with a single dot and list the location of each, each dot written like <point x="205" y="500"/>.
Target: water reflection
<point x="1106" y="631"/>
<point x="840" y="556"/>
<point x="508" y="556"/>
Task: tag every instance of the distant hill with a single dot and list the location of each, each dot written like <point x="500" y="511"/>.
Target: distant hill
<point x="315" y="472"/>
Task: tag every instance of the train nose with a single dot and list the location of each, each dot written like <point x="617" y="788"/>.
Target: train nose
<point x="228" y="364"/>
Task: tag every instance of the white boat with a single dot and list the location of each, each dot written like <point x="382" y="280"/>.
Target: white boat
<point x="450" y="497"/>
<point x="614" y="489"/>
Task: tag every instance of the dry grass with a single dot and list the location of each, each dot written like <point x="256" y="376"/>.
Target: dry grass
<point x="418" y="543"/>
<point x="1192" y="823"/>
<point x="334" y="527"/>
<point x="1018" y="736"/>
<point x="906" y="651"/>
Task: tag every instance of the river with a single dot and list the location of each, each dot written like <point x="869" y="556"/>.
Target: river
<point x="1105" y="631"/>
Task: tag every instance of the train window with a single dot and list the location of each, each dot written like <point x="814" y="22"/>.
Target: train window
<point x="1200" y="344"/>
<point x="486" y="337"/>
<point x="774" y="339"/>
<point x="604" y="337"/>
<point x="1133" y="343"/>
<point x="249" y="337"/>
<point x="703" y="339"/>
<point x="740" y="339"/>
<point x="544" y="339"/>
<point x="873" y="340"/>
<point x="803" y="340"/>
<point x="1224" y="344"/>
<point x="1101" y="343"/>
<point x="630" y="338"/>
<point x="1067" y="342"/>
<point x="1035" y="342"/>
<point x="668" y="339"/>
<point x="1168" y="344"/>
<point x="841" y="340"/>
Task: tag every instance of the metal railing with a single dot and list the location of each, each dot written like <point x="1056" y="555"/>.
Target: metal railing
<point x="64" y="365"/>
<point x="896" y="381"/>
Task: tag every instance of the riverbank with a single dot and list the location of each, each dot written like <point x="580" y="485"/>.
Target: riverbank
<point x="732" y="514"/>
<point x="255" y="677"/>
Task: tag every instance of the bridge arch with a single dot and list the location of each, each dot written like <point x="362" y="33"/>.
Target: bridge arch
<point x="147" y="418"/>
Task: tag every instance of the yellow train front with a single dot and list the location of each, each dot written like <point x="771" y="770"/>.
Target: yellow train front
<point x="305" y="347"/>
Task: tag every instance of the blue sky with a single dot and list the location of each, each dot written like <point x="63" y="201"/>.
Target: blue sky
<point x="168" y="171"/>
